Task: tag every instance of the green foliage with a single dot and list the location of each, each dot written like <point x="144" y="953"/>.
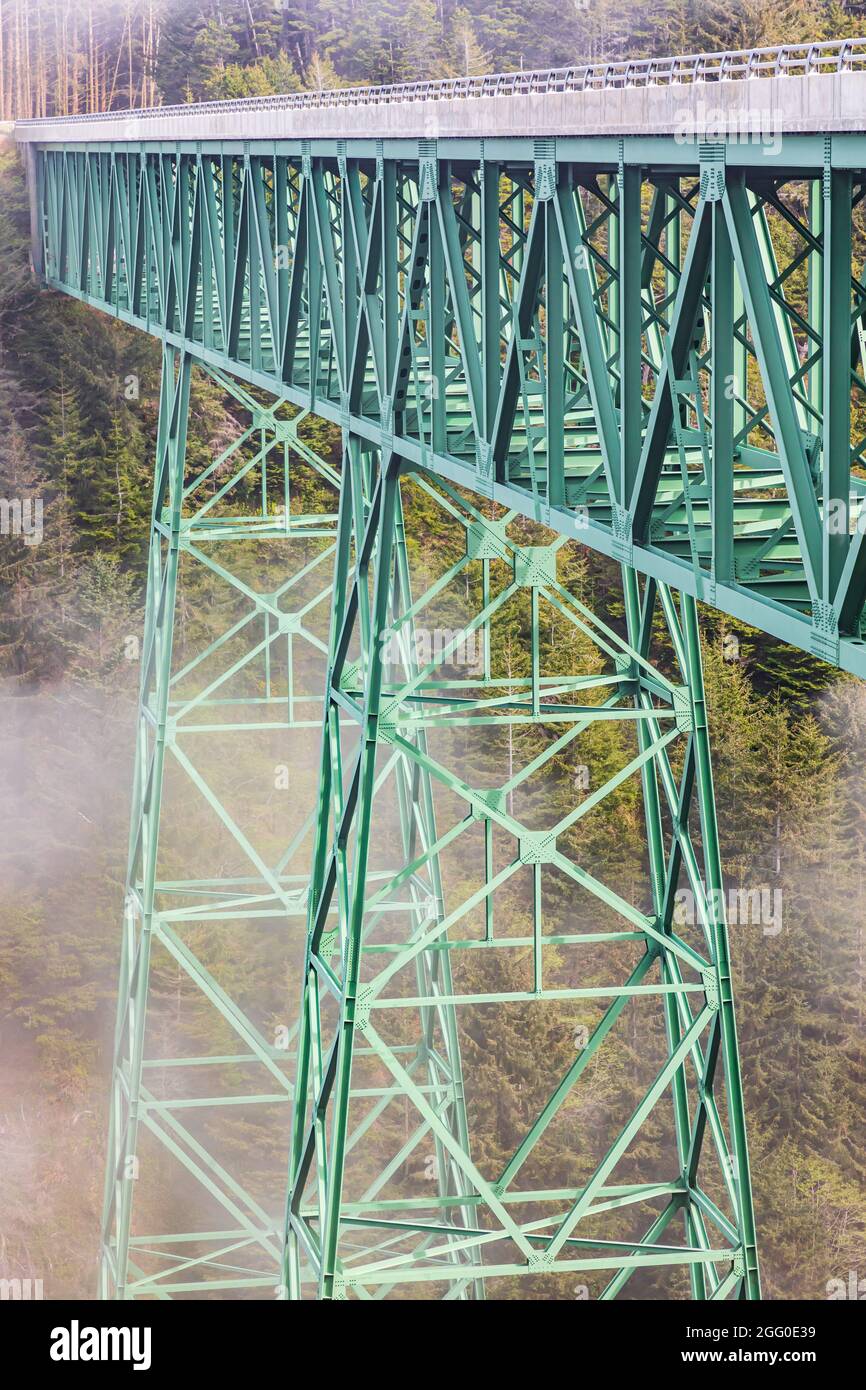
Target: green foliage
<point x="233" y="80"/>
<point x="134" y="52"/>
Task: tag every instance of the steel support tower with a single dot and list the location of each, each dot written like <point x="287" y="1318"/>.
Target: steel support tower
<point x="527" y="341"/>
<point x="240" y="692"/>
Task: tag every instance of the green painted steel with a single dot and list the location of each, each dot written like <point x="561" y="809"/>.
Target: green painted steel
<point x="524" y="924"/>
<point x="533" y="319"/>
<point x="254" y="679"/>
<point x="646" y="345"/>
<point x="245" y="692"/>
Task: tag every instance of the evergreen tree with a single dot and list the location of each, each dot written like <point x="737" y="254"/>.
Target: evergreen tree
<point x="470" y="59"/>
<point x="421" y="40"/>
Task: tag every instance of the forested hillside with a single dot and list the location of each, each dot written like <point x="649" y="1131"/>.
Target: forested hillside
<point x="78" y="400"/>
<point x="59" y="56"/>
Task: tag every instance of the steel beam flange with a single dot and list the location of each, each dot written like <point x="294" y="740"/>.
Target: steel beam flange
<point x="483" y="802"/>
<point x="824" y="636"/>
<point x="351" y="676"/>
<point x="484" y="467"/>
<point x="329" y="945"/>
<point x="538" y="847"/>
<point x="535" y="566"/>
<point x="711" y="989"/>
<point x="363" y="1003"/>
<point x="682" y="698"/>
<point x="621" y="525"/>
<point x="486" y="540"/>
<point x="428" y="170"/>
<point x="711" y="154"/>
<point x="545" y="169"/>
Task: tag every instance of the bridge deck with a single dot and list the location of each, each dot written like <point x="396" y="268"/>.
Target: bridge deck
<point x="755" y="90"/>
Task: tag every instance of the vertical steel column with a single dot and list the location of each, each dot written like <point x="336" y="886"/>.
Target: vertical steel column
<point x="121" y="1170"/>
<point x="371" y="600"/>
<point x="640" y="624"/>
<point x="741" y="1175"/>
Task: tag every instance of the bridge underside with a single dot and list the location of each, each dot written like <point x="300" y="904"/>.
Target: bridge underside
<point x="654" y="345"/>
<point x="467" y="932"/>
<point x="647" y="346"/>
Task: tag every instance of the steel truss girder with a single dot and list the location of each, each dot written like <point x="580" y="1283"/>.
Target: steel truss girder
<point x="368" y="1239"/>
<point x="605" y="335"/>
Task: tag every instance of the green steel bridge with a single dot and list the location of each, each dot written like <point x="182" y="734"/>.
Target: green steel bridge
<point x="619" y="307"/>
